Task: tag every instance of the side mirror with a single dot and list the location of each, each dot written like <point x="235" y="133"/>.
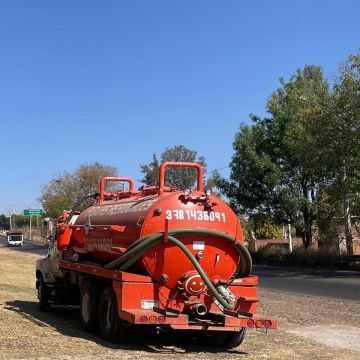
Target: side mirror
<point x="49" y="240"/>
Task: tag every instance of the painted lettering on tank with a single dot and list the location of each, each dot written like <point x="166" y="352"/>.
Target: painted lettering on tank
<point x="195" y="215"/>
<point x="117" y="209"/>
<point x="98" y="244"/>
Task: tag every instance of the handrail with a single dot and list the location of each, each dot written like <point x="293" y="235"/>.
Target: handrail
<point x="164" y="165"/>
<point x="105" y="179"/>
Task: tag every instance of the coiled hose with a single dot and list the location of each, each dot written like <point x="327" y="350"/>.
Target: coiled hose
<point x="141" y="246"/>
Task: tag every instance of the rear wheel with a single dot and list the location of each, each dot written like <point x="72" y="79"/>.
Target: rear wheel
<point x="43" y="295"/>
<point x="234" y="338"/>
<point x="111" y="328"/>
<point x="89" y="307"/>
<point x="223" y="339"/>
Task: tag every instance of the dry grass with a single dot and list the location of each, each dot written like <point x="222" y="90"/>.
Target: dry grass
<point x="27" y="333"/>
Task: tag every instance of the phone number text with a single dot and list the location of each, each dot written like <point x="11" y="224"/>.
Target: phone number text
<point x="196" y="215"/>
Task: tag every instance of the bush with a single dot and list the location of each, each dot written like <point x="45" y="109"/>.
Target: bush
<point x="276" y="255"/>
<point x="265" y="228"/>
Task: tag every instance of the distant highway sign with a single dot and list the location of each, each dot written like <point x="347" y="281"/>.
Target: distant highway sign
<point x="33" y="212"/>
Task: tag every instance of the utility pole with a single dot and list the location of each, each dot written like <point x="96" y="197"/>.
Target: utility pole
<point x="30" y="230"/>
<point x="347" y="213"/>
<point x="290" y="238"/>
<point x="11" y="211"/>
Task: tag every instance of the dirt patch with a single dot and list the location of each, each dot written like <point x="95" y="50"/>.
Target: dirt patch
<point x="337" y="336"/>
<point x="27" y="333"/>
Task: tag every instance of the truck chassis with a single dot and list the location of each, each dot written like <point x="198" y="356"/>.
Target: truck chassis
<point x="117" y="304"/>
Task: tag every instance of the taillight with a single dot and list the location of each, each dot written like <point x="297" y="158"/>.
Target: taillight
<point x="161" y="319"/>
<point x="267" y="323"/>
<point x="143" y="319"/>
<point x="250" y="323"/>
<point x="152" y="319"/>
<point x="258" y="323"/>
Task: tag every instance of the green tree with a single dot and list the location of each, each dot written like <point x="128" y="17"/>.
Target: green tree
<point x="21" y="221"/>
<point x="61" y="192"/>
<point x="265" y="228"/>
<point x="150" y="171"/>
<point x="4" y="222"/>
<point x="183" y="178"/>
<point x="275" y="169"/>
<point x="340" y="139"/>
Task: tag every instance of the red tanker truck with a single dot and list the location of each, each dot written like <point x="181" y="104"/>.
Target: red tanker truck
<point x="157" y="258"/>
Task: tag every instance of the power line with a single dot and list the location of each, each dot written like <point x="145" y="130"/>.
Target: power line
<point x="221" y="168"/>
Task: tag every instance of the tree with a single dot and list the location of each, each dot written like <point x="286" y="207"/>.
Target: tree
<point x="4" y="222"/>
<point x="183" y="178"/>
<point x="265" y="228"/>
<point x="276" y="168"/>
<point x="340" y="136"/>
<point x="150" y="171"/>
<point x="61" y="192"/>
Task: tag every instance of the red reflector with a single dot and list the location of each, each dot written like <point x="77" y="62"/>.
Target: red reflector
<point x="267" y="323"/>
<point x="143" y="319"/>
<point x="250" y="323"/>
<point x="161" y="319"/>
<point x="258" y="323"/>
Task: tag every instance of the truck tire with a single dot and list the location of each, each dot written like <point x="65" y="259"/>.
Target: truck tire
<point x="110" y="326"/>
<point x="43" y="295"/>
<point x="234" y="338"/>
<point x="223" y="339"/>
<point x="89" y="307"/>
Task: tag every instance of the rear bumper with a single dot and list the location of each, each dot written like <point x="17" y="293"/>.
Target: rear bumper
<point x="147" y="303"/>
<point x="185" y="322"/>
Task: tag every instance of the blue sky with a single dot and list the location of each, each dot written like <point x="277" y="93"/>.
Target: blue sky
<point x="115" y="81"/>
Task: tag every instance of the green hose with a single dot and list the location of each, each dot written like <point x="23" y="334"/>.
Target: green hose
<point x="141" y="246"/>
<point x="133" y="250"/>
<point x="140" y="253"/>
<point x="245" y="261"/>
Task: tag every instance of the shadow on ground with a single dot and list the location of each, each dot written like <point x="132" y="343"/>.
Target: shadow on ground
<point x="66" y="321"/>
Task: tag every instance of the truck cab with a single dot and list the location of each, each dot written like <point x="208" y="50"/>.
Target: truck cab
<point x="14" y="238"/>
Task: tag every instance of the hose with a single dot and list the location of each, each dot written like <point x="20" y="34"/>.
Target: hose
<point x="77" y="204"/>
<point x="137" y="249"/>
<point x="245" y="265"/>
<point x="133" y="250"/>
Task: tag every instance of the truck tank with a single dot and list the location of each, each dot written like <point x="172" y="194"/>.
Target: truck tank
<point x="152" y="231"/>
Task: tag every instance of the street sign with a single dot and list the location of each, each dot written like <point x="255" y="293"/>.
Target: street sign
<point x="33" y="212"/>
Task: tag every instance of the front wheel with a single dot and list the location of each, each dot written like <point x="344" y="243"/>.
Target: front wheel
<point x="43" y="295"/>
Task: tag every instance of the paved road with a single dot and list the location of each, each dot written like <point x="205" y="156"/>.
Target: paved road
<point x="27" y="246"/>
<point x="324" y="283"/>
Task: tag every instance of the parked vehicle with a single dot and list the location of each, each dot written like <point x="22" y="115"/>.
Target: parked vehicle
<point x="156" y="258"/>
